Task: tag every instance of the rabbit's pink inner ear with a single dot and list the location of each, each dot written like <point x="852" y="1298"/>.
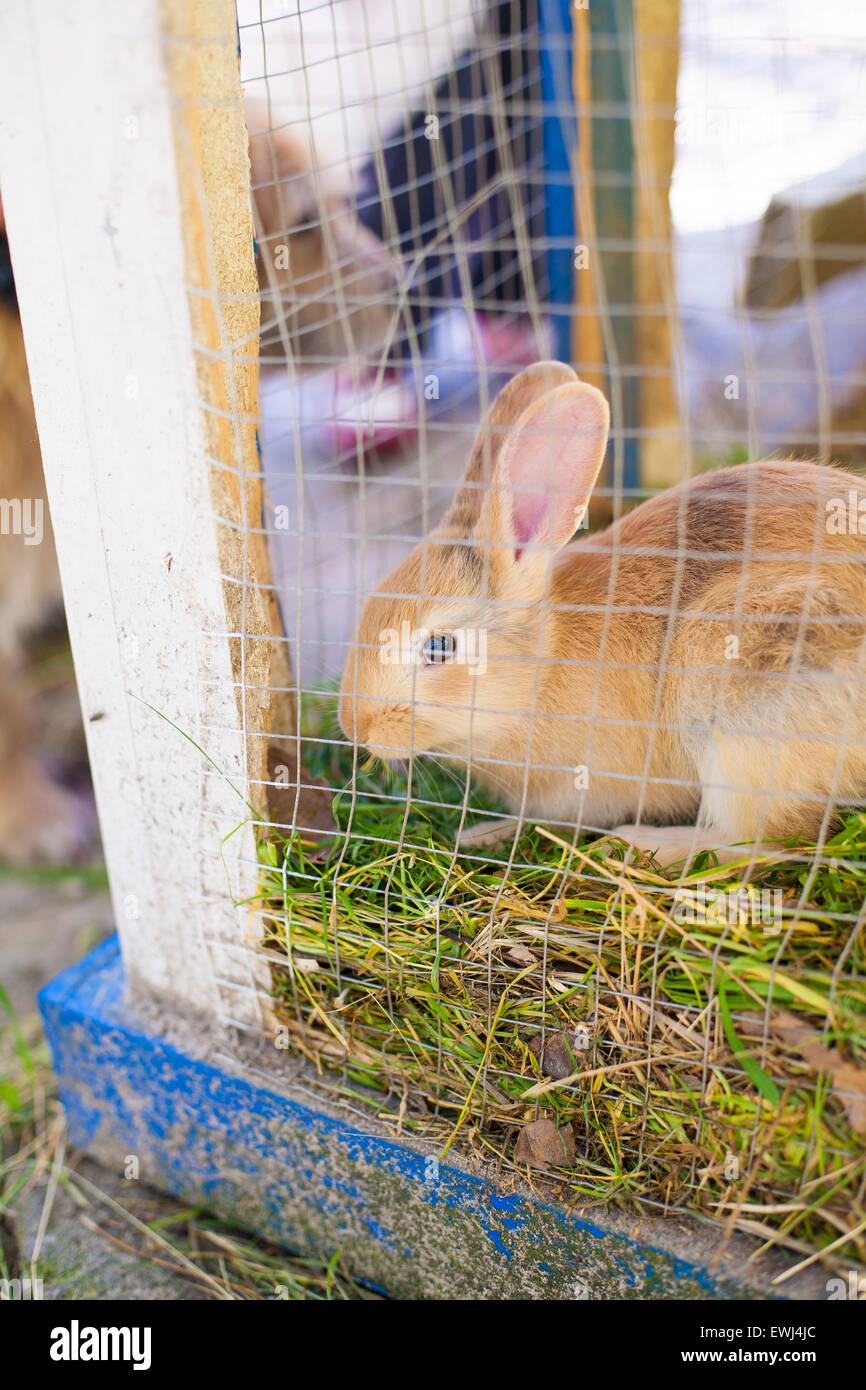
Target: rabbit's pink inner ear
<point x="553" y="462"/>
<point x="528" y="513"/>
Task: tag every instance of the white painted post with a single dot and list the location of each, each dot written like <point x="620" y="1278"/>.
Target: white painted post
<point x="90" y="173"/>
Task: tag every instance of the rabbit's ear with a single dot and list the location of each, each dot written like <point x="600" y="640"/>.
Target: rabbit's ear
<point x="497" y="426"/>
<point x="543" y="480"/>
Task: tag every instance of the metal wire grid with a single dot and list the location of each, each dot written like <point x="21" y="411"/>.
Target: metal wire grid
<point x="344" y="496"/>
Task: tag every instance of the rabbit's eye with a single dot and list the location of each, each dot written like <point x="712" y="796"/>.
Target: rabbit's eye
<point x="439" y="648"/>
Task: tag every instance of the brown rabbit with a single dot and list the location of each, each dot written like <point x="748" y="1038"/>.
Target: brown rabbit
<point x="328" y="284"/>
<point x="705" y="656"/>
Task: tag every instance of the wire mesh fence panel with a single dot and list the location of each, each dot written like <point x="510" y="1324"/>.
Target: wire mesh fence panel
<point x="561" y="428"/>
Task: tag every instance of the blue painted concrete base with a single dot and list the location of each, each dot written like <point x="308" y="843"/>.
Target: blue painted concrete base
<point x="304" y="1177"/>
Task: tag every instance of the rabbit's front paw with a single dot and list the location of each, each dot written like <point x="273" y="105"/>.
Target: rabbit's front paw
<point x="489" y="832"/>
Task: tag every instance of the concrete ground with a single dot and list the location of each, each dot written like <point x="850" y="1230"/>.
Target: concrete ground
<point x="44" y="927"/>
<point x="96" y="1252"/>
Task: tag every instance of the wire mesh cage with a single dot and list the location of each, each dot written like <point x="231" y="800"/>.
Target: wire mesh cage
<point x="543" y="658"/>
<point x="672" y="1012"/>
<point x="670" y="1015"/>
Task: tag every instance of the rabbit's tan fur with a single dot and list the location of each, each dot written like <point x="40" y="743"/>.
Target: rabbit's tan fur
<point x="328" y="284"/>
<point x="616" y="653"/>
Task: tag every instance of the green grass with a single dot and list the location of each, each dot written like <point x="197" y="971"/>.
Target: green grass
<point x="417" y="980"/>
<point x="90" y="877"/>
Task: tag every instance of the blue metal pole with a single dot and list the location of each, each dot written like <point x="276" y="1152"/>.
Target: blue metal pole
<point x="560" y="138"/>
